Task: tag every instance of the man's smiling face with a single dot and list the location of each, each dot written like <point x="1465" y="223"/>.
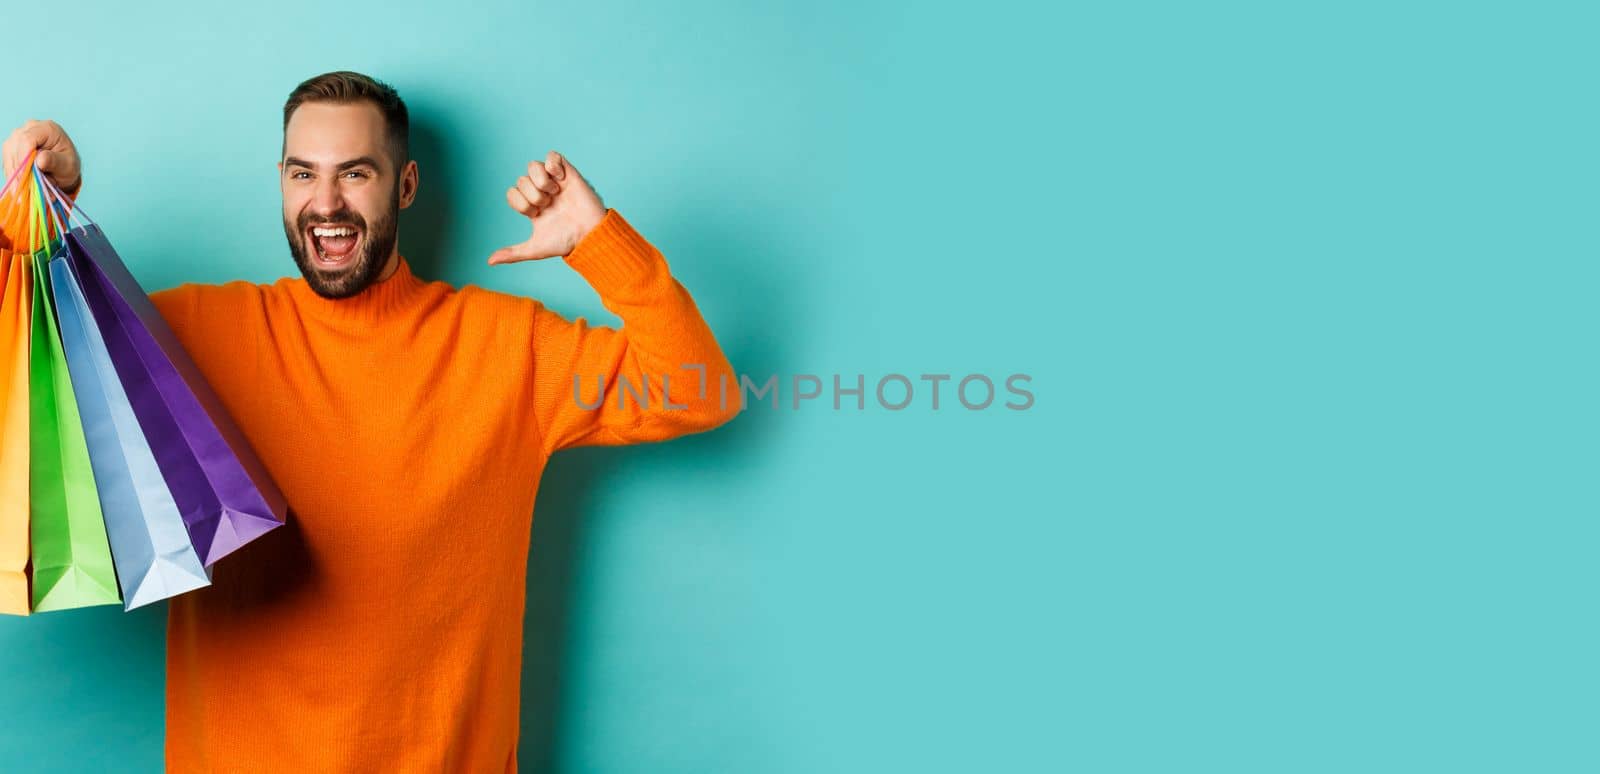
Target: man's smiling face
<point x="342" y="193"/>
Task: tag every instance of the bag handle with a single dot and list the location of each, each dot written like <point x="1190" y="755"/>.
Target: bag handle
<point x="39" y="236"/>
<point x="48" y="223"/>
<point x="26" y="164"/>
<point x="69" y="210"/>
<point x="51" y="213"/>
<point x="60" y="212"/>
<point x="37" y="224"/>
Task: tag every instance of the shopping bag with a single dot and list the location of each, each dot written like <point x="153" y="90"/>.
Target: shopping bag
<point x="16" y="301"/>
<point x="16" y="305"/>
<point x="72" y="563"/>
<point x="149" y="541"/>
<point x="220" y="486"/>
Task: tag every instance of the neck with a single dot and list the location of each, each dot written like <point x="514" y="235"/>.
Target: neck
<point x="392" y="264"/>
<point x="386" y="297"/>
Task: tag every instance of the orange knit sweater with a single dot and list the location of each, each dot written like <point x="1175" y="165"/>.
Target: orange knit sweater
<point x="408" y="426"/>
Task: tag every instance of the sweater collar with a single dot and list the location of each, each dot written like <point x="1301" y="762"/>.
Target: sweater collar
<point x="378" y="300"/>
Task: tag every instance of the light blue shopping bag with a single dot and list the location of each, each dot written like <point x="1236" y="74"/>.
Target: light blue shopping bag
<point x="153" y="554"/>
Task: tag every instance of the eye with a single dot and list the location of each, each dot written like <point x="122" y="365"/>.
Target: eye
<point x="300" y="174"/>
<point x="357" y="174"/>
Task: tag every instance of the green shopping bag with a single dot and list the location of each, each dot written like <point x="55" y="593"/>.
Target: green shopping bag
<point x="72" y="564"/>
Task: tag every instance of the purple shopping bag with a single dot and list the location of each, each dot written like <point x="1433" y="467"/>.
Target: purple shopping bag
<point x="220" y="486"/>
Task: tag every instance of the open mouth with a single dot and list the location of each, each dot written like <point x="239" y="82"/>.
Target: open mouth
<point x="334" y="245"/>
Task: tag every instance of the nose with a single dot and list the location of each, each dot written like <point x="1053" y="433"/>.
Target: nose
<point x="327" y="199"/>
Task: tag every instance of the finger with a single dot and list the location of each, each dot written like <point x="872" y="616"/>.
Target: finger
<point x="556" y="164"/>
<point x="18" y="155"/>
<point x="55" y="136"/>
<point x="542" y="179"/>
<point x="32" y="135"/>
<point x="520" y="203"/>
<point x="16" y="149"/>
<point x="536" y="248"/>
<point x="36" y="134"/>
<point x="41" y="162"/>
<point x="514" y="253"/>
<point x="535" y="197"/>
<point x="51" y="163"/>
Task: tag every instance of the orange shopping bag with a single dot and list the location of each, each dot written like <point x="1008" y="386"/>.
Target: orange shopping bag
<point x="16" y="310"/>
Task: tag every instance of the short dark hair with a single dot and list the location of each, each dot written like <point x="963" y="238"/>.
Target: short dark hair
<point x="345" y="87"/>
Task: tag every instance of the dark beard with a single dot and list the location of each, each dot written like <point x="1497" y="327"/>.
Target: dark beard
<point x="377" y="242"/>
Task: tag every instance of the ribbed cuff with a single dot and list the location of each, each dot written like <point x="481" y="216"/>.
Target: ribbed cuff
<point x="613" y="255"/>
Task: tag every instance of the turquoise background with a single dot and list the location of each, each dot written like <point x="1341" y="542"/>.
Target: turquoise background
<point x="1306" y="292"/>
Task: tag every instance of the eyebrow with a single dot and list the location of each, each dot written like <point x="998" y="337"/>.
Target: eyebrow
<point x="360" y="161"/>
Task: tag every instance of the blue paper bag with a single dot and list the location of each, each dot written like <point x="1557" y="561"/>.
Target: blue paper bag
<point x="154" y="556"/>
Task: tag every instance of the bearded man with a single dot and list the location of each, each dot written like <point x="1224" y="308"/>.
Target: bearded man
<point x="408" y="423"/>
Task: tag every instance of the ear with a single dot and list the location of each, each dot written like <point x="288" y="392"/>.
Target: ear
<point x="409" y="181"/>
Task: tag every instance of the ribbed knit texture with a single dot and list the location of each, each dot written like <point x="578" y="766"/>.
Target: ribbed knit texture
<point x="408" y="426"/>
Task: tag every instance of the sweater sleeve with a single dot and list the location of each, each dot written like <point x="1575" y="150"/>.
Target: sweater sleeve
<point x="662" y="372"/>
<point x="177" y="305"/>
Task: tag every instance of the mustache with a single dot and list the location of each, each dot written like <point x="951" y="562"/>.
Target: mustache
<point x="343" y="217"/>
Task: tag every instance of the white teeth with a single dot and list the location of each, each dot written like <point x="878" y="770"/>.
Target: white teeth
<point x="333" y="232"/>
